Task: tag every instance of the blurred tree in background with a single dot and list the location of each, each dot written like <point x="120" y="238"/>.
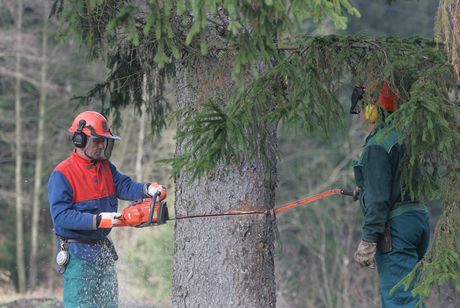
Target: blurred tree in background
<point x="48" y="73"/>
<point x="315" y="268"/>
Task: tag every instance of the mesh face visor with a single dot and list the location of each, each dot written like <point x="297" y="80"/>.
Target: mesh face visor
<point x="94" y="150"/>
<point x="109" y="143"/>
<point x="356" y="96"/>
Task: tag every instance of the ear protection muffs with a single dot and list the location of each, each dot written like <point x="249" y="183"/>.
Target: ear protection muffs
<point x="79" y="139"/>
<point x="371" y="113"/>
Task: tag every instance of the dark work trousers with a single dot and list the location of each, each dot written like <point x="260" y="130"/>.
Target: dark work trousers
<point x="410" y="233"/>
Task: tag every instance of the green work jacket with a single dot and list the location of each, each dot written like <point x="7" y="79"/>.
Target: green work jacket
<point x="377" y="173"/>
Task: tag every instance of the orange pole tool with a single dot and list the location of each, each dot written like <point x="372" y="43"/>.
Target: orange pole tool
<point x="331" y="192"/>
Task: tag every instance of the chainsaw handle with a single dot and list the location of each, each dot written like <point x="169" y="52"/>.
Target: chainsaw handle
<point x="347" y="192"/>
<point x="152" y="207"/>
<point x="355" y="193"/>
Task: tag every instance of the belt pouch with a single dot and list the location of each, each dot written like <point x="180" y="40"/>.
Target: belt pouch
<point x="62" y="257"/>
<point x="384" y="243"/>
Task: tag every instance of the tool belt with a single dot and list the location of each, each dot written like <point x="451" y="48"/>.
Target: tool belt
<point x="85" y="241"/>
<point x="63" y="255"/>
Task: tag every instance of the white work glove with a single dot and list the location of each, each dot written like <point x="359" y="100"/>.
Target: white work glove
<point x="365" y="254"/>
<point x="154" y="188"/>
<point x="108" y="219"/>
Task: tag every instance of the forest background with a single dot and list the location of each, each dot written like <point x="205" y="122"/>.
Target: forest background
<point x="314" y="267"/>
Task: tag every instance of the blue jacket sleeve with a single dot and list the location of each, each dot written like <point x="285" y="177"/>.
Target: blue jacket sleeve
<point x="377" y="177"/>
<point x="125" y="187"/>
<point x="62" y="211"/>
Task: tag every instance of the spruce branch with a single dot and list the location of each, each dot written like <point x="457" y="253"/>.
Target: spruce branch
<point x="304" y="85"/>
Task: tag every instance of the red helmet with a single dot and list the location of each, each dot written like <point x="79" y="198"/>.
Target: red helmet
<point x="92" y="123"/>
<point x="388" y="97"/>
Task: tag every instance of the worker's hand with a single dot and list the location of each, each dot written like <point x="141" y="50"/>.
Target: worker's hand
<point x="356" y="193"/>
<point x="365" y="254"/>
<point x="108" y="219"/>
<point x="154" y="188"/>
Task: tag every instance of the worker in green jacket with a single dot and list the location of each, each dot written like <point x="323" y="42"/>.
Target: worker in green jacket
<point x="395" y="231"/>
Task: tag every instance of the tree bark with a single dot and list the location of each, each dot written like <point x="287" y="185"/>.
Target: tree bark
<point x="18" y="169"/>
<point x="39" y="156"/>
<point x="223" y="260"/>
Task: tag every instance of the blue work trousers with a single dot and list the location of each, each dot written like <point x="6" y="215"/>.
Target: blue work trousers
<point x="410" y="232"/>
<point x="90" y="284"/>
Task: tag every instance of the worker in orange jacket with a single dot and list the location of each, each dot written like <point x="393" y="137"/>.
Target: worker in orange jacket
<point x="83" y="191"/>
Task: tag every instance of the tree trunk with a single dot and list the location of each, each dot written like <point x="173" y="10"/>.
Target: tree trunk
<point x="39" y="157"/>
<point x="120" y="154"/>
<point x="51" y="274"/>
<point x="141" y="135"/>
<point x="222" y="260"/>
<point x="18" y="177"/>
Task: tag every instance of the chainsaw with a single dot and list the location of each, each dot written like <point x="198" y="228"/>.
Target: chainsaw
<point x="144" y="213"/>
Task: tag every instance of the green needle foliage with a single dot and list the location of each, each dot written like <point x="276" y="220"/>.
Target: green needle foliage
<point x="130" y="72"/>
<point x="304" y="86"/>
<point x="281" y="77"/>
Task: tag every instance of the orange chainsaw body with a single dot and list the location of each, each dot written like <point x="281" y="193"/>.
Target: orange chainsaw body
<point x="139" y="214"/>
